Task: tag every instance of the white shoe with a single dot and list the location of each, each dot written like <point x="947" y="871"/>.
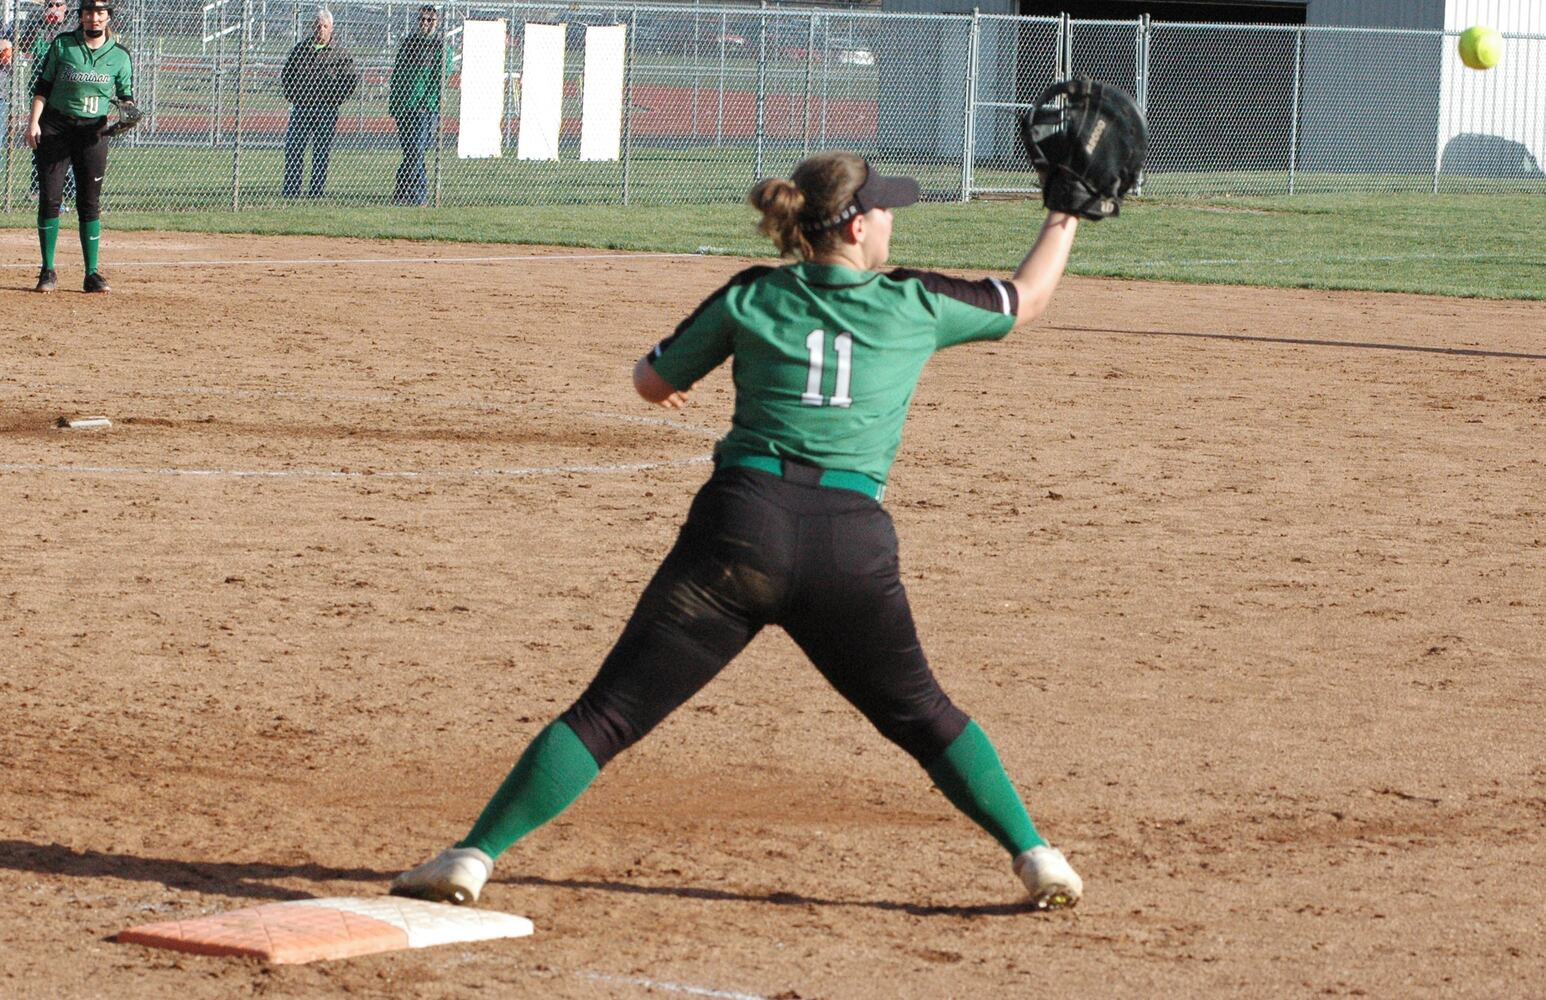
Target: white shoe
<point x="1049" y="878"/>
<point x="455" y="875"/>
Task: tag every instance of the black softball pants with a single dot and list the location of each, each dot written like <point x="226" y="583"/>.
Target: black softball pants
<point x="65" y="143"/>
<point x="759" y="550"/>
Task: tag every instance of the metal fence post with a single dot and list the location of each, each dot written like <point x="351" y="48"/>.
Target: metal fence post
<point x="241" y="86"/>
<point x="1145" y="40"/>
<point x="440" y="108"/>
<point x="1293" y="124"/>
<point x="214" y="119"/>
<point x="1064" y="60"/>
<point x="697" y="70"/>
<point x="810" y="78"/>
<point x="969" y="125"/>
<point x="719" y="121"/>
<point x="1438" y="149"/>
<point x="1141" y="77"/>
<point x="826" y="74"/>
<point x="762" y="88"/>
<point x="512" y="100"/>
<point x="633" y="24"/>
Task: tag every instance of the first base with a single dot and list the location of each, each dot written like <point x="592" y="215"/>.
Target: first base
<point x="310" y="930"/>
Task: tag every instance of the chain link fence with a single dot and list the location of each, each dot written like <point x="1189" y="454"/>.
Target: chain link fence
<point x="488" y="105"/>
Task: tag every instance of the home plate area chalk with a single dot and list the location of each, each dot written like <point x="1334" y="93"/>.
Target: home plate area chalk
<point x="310" y="930"/>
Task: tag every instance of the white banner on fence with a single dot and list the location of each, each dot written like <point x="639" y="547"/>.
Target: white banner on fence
<point x="542" y="92"/>
<point x="601" y="128"/>
<point x="483" y="89"/>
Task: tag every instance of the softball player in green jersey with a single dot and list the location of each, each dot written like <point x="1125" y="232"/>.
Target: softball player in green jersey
<point x="789" y="530"/>
<point x="84" y="73"/>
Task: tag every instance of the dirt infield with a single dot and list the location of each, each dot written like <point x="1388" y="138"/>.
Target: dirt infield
<point x="1248" y="586"/>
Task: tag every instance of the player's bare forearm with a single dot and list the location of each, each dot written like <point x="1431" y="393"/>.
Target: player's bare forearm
<point x="1038" y="275"/>
<point x="648" y="383"/>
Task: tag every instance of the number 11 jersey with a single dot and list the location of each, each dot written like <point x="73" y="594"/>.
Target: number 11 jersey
<point x="826" y="358"/>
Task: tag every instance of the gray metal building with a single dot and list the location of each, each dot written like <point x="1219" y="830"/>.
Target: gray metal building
<point x="1330" y="101"/>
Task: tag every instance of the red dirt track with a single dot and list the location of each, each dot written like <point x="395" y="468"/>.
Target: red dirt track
<point x="661" y="112"/>
<point x="1248" y="586"/>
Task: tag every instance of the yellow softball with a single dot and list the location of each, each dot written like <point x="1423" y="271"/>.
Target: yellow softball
<point x="1481" y="47"/>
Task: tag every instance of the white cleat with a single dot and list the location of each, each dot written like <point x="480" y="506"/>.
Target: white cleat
<point x="1049" y="878"/>
<point x="455" y="875"/>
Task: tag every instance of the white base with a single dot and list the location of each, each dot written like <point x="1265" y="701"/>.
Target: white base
<point x="430" y="924"/>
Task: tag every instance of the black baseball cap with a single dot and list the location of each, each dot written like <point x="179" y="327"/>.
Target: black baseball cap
<point x="96" y="5"/>
<point x="878" y="191"/>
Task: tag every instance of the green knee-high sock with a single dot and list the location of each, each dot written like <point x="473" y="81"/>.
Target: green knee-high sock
<point x="552" y="773"/>
<point x="973" y="779"/>
<point x="91" y="242"/>
<point x="48" y="240"/>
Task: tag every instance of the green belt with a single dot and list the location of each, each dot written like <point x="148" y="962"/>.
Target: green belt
<point x="839" y="479"/>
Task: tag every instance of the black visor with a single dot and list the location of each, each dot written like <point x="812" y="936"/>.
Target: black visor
<point x="877" y="191"/>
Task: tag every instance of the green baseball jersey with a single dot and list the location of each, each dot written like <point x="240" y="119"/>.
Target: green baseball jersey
<point x="82" y="81"/>
<point x="415" y="83"/>
<point x="45" y="38"/>
<point x="826" y="358"/>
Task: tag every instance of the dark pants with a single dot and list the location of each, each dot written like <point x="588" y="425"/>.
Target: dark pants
<point x="758" y="550"/>
<point x="316" y="126"/>
<point x="414" y="131"/>
<point x="65" y="144"/>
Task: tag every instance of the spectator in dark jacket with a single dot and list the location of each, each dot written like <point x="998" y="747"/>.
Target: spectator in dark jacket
<point x="317" y="78"/>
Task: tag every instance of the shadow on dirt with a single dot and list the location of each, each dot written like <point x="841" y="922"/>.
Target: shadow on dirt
<point x="226" y="878"/>
<point x="248" y="880"/>
<point x="776" y="898"/>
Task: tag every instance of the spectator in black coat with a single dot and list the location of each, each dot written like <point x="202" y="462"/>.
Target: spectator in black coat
<point x="318" y="76"/>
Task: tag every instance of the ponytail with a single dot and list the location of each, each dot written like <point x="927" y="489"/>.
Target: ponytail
<point x="797" y="213"/>
<point x="781" y="205"/>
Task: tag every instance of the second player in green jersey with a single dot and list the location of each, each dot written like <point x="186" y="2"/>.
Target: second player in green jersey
<point x="84" y="74"/>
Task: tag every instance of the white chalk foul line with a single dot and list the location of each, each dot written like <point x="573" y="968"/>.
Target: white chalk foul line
<point x="316" y="397"/>
<point x="659" y="422"/>
<point x="1343" y="259"/>
<point x="655" y="984"/>
<point x="313" y="261"/>
<point x="514" y="473"/>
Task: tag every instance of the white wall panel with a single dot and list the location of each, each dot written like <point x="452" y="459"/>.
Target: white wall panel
<point x="1507" y="102"/>
<point x="1522" y="17"/>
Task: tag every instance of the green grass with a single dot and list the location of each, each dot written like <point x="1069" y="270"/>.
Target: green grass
<point x="1477" y="245"/>
<point x="147" y="177"/>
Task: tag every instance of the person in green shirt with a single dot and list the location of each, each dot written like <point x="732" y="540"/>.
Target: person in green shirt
<point x="84" y="73"/>
<point x="413" y="98"/>
<point x="36" y="40"/>
<point x="789" y="530"/>
<point x="48" y="28"/>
